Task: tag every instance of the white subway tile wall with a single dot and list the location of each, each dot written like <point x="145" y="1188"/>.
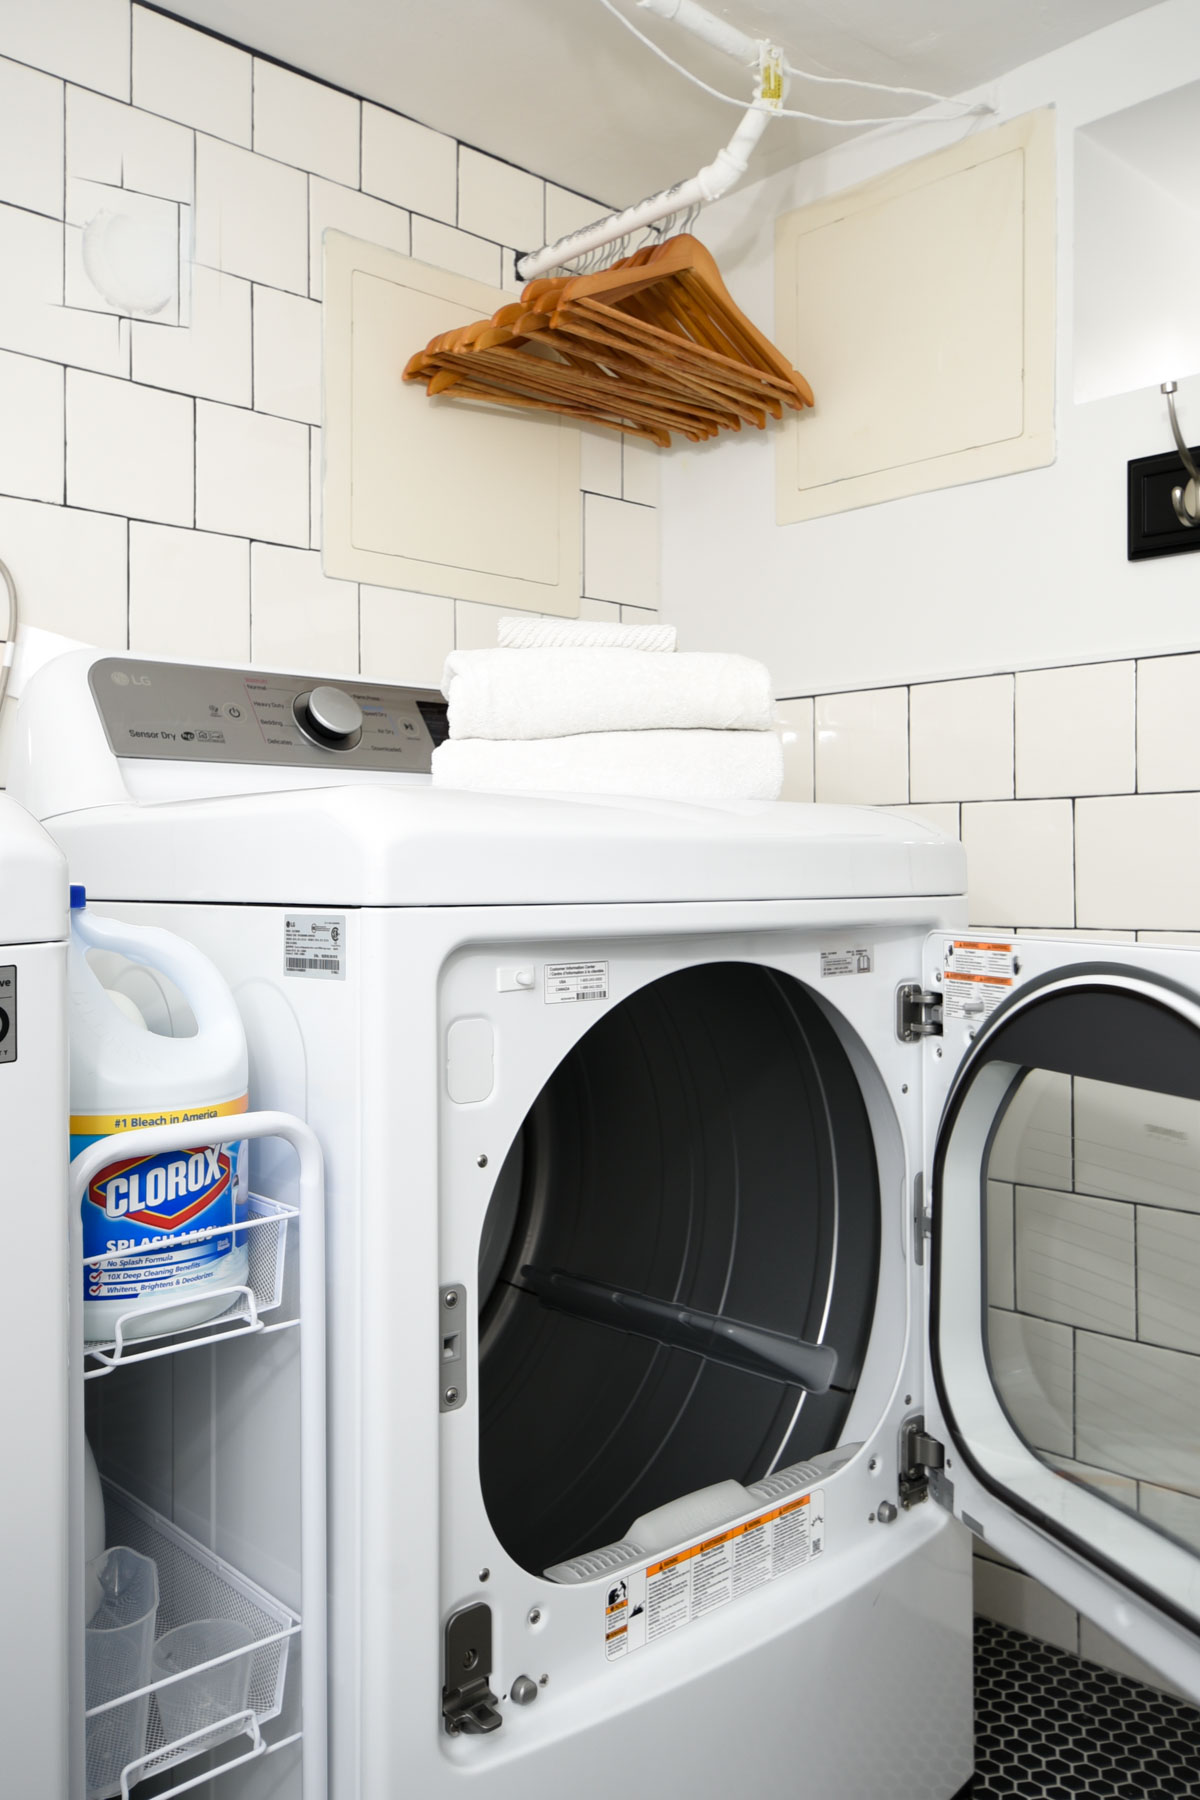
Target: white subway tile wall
<point x="160" y="475"/>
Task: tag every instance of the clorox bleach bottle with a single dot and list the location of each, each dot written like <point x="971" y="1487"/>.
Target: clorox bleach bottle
<point x="124" y="1078"/>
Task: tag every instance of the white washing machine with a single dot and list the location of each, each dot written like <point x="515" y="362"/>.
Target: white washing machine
<point x="669" y="1330"/>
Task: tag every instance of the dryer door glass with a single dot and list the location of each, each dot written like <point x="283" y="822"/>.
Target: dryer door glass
<point x="1067" y="1274"/>
<point x="678" y="1266"/>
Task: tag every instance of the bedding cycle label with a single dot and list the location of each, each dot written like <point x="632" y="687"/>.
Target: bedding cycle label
<point x="644" y="1605"/>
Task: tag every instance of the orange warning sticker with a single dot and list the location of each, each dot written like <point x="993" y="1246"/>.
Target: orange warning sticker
<point x="646" y="1604"/>
<point x="976" y="977"/>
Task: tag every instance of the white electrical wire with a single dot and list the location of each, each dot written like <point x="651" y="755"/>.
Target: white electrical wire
<point x="784" y="112"/>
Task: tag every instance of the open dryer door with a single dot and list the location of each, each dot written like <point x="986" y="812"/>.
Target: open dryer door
<point x="1064" y="1208"/>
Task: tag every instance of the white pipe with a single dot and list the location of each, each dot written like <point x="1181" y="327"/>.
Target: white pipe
<point x="703" y="24"/>
<point x="715" y="179"/>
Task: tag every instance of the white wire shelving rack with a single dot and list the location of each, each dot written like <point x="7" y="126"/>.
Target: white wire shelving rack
<point x="194" y="1583"/>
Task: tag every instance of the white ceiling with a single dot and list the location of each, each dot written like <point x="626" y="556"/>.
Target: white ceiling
<point x="559" y="87"/>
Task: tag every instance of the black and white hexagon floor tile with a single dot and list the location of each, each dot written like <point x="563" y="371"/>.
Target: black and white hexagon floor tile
<point x="1050" y="1727"/>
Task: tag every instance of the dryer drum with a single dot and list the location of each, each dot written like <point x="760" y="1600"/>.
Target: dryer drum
<point x="685" y="1231"/>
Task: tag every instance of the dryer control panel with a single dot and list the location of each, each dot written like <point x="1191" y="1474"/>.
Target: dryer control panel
<point x="184" y="713"/>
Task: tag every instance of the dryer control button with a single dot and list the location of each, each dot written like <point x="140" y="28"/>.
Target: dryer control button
<point x="329" y="716"/>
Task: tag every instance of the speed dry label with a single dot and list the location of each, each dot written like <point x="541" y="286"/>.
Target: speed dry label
<point x="646" y="1604"/>
<point x="978" y="976"/>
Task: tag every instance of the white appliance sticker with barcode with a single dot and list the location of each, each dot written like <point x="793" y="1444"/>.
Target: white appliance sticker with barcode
<point x="979" y="974"/>
<point x="847" y="962"/>
<point x="576" y="981"/>
<point x="315" y="944"/>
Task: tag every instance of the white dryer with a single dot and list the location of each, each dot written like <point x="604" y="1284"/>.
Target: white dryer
<point x="675" y="1161"/>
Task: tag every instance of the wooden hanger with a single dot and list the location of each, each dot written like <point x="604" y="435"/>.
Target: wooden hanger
<point x="654" y="345"/>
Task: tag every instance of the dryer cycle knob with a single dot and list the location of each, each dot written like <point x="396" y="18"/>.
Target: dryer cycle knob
<point x="329" y="716"/>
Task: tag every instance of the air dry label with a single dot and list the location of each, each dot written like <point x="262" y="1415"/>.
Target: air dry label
<point x="647" y="1604"/>
<point x="315" y="944"/>
<point x="846" y="962"/>
<point x="978" y="975"/>
<point x="576" y="981"/>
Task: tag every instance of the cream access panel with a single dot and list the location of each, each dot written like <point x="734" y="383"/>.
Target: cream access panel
<point x="921" y="307"/>
<point x="437" y="496"/>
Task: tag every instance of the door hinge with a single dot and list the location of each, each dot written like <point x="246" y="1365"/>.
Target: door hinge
<point x="922" y="1465"/>
<point x="918" y="1013"/>
<point x="468" y="1703"/>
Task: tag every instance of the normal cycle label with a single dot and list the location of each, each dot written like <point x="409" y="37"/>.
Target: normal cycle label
<point x="644" y="1605"/>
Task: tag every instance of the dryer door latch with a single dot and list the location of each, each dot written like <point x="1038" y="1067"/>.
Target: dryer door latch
<point x="922" y="1465"/>
<point x="918" y="1013"/>
<point x="468" y="1703"/>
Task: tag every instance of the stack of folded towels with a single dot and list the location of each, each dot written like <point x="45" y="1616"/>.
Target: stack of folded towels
<point x="587" y="708"/>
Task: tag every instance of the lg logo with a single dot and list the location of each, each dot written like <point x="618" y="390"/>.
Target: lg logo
<point x="120" y="678"/>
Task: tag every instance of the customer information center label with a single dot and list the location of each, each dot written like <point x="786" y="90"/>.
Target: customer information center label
<point x="647" y="1604"/>
<point x="575" y="981"/>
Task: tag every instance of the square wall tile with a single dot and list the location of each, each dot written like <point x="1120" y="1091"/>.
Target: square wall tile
<point x="287" y="355"/>
<point x="408" y="164"/>
<point x="189" y="592"/>
<point x="83" y="40"/>
<point x="794" y="722"/>
<point x="1168" y="706"/>
<point x="620" y="552"/>
<point x="159" y="219"/>
<point x="70" y="569"/>
<point x="476" y="625"/>
<point x="962" y="739"/>
<point x="31" y="139"/>
<point x="305" y="123"/>
<point x="1075" y="1260"/>
<point x="862" y="747"/>
<point x="33" y="318"/>
<point x="1168" y="1278"/>
<point x="1075" y="730"/>
<point x="499" y="202"/>
<point x="300" y="618"/>
<point x="1174" y="1512"/>
<point x="1185" y="940"/>
<point x="1135" y="1410"/>
<point x="252" y="474"/>
<point x="405" y="637"/>
<point x="210" y="355"/>
<point x="1137" y="1144"/>
<point x="1019" y="861"/>
<point x="943" y="815"/>
<point x="1000" y="1280"/>
<point x="600" y="461"/>
<point x="1033" y="1141"/>
<point x="642" y="615"/>
<point x="122" y="146"/>
<point x="605" y="611"/>
<point x="31" y="459"/>
<point x="640" y="470"/>
<point x="1020" y="1602"/>
<point x="251" y="215"/>
<point x="333" y="208"/>
<point x="187" y="75"/>
<point x="566" y="212"/>
<point x="444" y="248"/>
<point x="1137" y="861"/>
<point x="129" y="449"/>
<point x="1032" y="1366"/>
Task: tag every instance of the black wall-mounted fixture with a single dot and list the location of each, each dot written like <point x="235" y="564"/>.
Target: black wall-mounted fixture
<point x="1164" y="496"/>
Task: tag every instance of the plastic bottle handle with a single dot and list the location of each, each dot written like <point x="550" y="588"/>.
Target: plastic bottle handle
<point x="191" y="971"/>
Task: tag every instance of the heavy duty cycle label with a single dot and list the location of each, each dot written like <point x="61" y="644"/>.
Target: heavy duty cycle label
<point x="644" y="1605"/>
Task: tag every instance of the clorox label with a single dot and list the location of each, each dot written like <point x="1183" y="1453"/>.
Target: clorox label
<point x="171" y="1217"/>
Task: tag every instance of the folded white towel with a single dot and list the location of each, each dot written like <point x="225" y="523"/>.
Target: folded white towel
<point x="658" y="765"/>
<point x="559" y="693"/>
<point x="581" y="634"/>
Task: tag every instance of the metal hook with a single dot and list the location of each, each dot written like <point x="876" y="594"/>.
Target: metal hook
<point x="1185" y="500"/>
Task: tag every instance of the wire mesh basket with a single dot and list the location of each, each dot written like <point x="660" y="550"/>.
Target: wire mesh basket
<point x="264" y="1223"/>
<point x="194" y="1584"/>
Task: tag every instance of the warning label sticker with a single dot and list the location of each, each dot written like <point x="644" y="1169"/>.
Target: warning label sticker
<point x="644" y="1605"/>
<point x="978" y="975"/>
<point x="315" y="944"/>
<point x="846" y="962"/>
<point x="576" y="981"/>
